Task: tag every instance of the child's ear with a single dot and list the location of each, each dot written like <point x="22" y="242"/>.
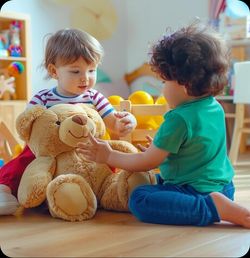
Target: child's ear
<point x="52" y="71"/>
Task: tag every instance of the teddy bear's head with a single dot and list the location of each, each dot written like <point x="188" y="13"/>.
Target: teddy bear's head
<point x="58" y="129"/>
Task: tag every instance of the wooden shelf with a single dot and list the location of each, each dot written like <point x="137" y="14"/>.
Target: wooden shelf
<point x="10" y="109"/>
<point x="12" y="102"/>
<point x="22" y="81"/>
<point x="12" y="58"/>
<point x="239" y="53"/>
<point x="239" y="42"/>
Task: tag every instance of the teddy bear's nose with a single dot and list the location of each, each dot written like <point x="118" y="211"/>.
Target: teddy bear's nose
<point x="81" y="120"/>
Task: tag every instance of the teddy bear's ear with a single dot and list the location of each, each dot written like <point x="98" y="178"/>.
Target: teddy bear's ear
<point x="25" y="121"/>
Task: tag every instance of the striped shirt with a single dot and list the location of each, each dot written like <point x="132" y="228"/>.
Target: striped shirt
<point x="50" y="97"/>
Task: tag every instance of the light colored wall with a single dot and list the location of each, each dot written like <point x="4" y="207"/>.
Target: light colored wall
<point x="140" y="23"/>
<point x="149" y="19"/>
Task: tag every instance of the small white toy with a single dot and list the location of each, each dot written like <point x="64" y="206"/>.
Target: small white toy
<point x="7" y="88"/>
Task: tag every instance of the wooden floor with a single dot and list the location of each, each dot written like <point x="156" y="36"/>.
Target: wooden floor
<point x="111" y="234"/>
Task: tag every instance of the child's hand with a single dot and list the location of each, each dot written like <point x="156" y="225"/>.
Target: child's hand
<point x="95" y="150"/>
<point x="143" y="148"/>
<point x="125" y="123"/>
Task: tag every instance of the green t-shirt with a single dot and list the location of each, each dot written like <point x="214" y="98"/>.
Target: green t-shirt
<point x="194" y="134"/>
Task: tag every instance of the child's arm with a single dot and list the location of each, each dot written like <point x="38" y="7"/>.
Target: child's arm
<point x="100" y="151"/>
<point x="120" y="123"/>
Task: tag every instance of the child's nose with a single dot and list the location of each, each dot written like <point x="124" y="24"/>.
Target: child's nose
<point x="84" y="79"/>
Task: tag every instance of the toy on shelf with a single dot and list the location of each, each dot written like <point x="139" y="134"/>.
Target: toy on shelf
<point x="15" y="27"/>
<point x="149" y="114"/>
<point x="10" y="42"/>
<point x="143" y="122"/>
<point x="15" y="48"/>
<point x="7" y="80"/>
<point x="115" y="99"/>
<point x="144" y="99"/>
<point x="7" y="88"/>
<point x="15" y="68"/>
<point x="3" y="51"/>
<point x="141" y="97"/>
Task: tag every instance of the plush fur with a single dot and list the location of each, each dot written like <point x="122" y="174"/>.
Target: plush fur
<point x="73" y="187"/>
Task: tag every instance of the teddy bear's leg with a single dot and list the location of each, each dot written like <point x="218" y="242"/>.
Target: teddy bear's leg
<point x="33" y="184"/>
<point x="119" y="186"/>
<point x="71" y="198"/>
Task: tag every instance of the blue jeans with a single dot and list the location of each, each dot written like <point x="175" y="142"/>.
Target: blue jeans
<point x="175" y="205"/>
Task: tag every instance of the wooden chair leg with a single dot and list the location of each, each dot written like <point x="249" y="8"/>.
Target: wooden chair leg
<point x="7" y="143"/>
<point x="237" y="133"/>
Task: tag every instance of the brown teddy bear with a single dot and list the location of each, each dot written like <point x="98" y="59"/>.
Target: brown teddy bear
<point x="73" y="187"/>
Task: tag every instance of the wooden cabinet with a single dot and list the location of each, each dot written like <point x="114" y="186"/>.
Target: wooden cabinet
<point x="11" y="106"/>
<point x="240" y="51"/>
<point x="239" y="48"/>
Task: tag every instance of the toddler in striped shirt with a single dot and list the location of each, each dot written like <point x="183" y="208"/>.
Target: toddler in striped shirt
<point x="71" y="57"/>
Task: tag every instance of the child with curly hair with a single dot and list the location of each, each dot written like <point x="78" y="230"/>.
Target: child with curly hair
<point x="195" y="186"/>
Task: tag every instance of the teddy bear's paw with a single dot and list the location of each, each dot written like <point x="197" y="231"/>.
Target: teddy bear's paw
<point x="119" y="187"/>
<point x="129" y="181"/>
<point x="140" y="178"/>
<point x="71" y="198"/>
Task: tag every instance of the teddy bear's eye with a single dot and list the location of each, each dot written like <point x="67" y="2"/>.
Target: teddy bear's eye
<point x="58" y="122"/>
<point x="89" y="116"/>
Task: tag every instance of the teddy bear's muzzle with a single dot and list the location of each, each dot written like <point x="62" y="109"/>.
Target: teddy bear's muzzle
<point x="75" y="129"/>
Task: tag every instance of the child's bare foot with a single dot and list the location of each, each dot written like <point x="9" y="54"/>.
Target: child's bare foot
<point x="231" y="211"/>
<point x="8" y="202"/>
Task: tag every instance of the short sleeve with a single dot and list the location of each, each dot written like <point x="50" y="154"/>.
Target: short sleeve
<point x="101" y="104"/>
<point x="36" y="100"/>
<point x="172" y="133"/>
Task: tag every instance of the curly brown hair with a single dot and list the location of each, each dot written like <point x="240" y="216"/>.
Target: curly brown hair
<point x="195" y="56"/>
